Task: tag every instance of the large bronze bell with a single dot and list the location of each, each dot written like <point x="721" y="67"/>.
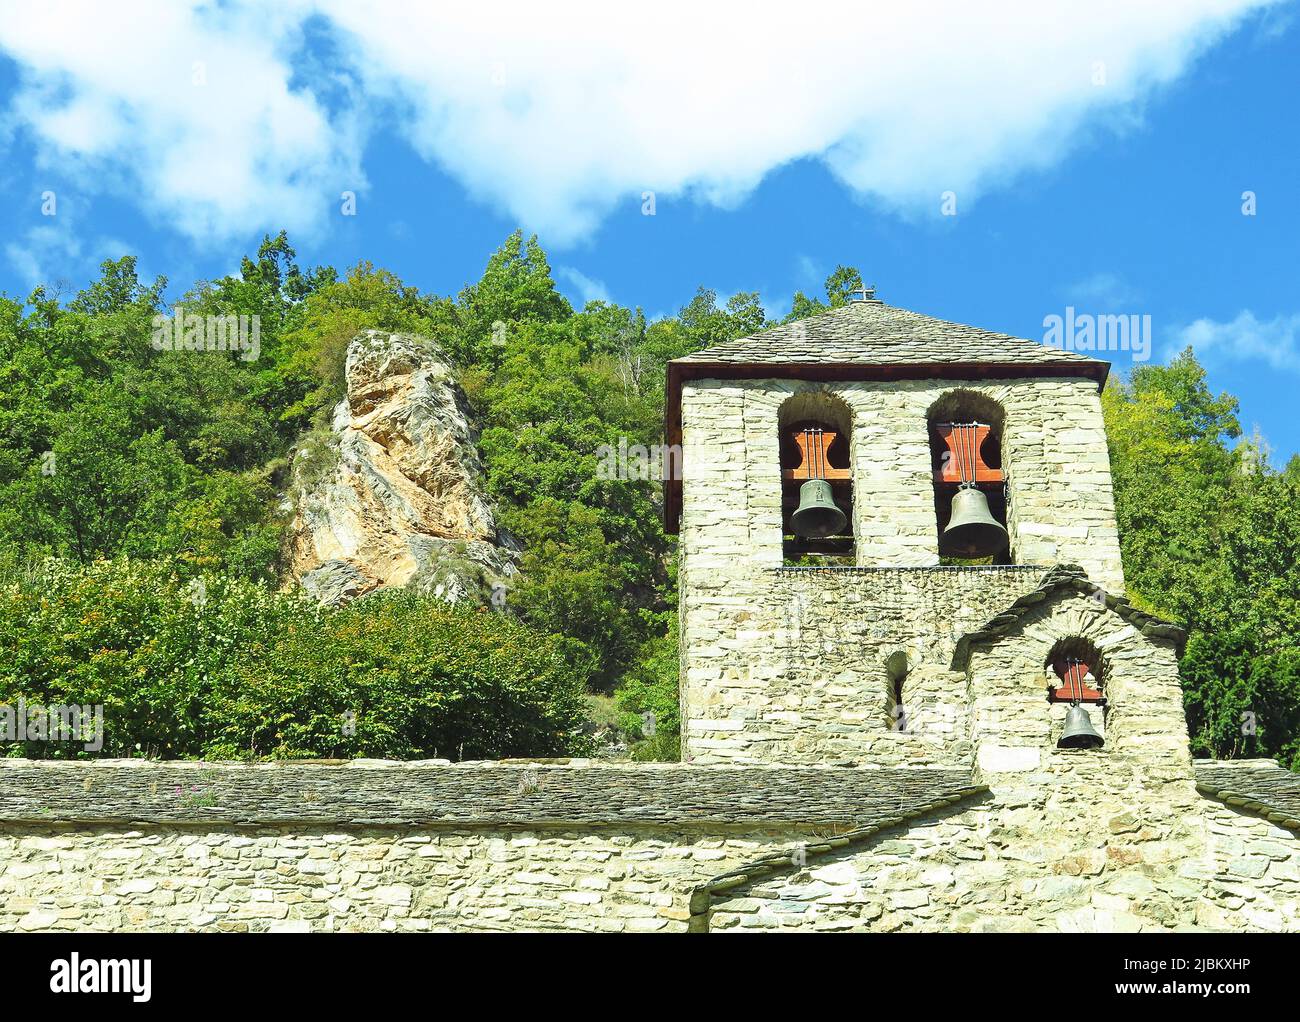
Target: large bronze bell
<point x="972" y="531"/>
<point x="817" y="515"/>
<point x="1079" y="732"/>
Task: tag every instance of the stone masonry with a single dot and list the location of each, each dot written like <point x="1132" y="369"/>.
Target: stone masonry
<point x="866" y="747"/>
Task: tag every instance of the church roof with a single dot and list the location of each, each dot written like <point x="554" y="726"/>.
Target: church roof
<point x="493" y="793"/>
<point x="873" y="333"/>
<point x="1258" y="786"/>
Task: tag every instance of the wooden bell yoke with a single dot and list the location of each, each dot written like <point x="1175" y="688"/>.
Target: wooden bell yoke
<point x="964" y="460"/>
<point x="814" y="443"/>
<point x="1075" y="686"/>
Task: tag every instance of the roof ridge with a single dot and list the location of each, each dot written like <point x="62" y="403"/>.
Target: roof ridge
<point x="875" y="333"/>
<point x="1058" y="578"/>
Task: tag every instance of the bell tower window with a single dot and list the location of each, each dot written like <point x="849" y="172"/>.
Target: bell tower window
<point x="816" y="480"/>
<point x="1074" y="673"/>
<point x="970" y="496"/>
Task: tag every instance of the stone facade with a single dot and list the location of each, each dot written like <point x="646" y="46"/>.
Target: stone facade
<point x="866" y="747"/>
<point x="785" y="666"/>
<point x="900" y="661"/>
<point x="305" y="879"/>
<point x="115" y="845"/>
<point x="1065" y="846"/>
<point x="1054" y="455"/>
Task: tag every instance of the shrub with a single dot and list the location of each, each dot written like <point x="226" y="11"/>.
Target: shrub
<point x="221" y="668"/>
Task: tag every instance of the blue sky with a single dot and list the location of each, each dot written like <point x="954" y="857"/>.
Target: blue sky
<point x="1098" y="157"/>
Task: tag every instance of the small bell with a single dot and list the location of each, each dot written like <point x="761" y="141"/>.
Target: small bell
<point x="1079" y="732"/>
<point x="971" y="530"/>
<point x="817" y="515"/>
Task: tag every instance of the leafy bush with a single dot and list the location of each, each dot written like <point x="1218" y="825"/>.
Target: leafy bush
<point x="221" y="668"/>
<point x="649" y="693"/>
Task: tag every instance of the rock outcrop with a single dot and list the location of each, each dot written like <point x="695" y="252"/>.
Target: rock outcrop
<point x="392" y="495"/>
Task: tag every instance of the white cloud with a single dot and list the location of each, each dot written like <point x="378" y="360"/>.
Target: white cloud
<point x="188" y="109"/>
<point x="1275" y="342"/>
<point x="1104" y="290"/>
<point x="588" y="290"/>
<point x="556" y="115"/>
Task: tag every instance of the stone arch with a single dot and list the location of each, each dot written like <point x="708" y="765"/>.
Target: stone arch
<point x="1143" y="707"/>
<point x="1076" y="648"/>
<point x="830" y="413"/>
<point x="962" y="405"/>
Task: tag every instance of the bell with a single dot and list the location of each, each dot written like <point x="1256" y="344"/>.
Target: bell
<point x="817" y="515"/>
<point x="972" y="531"/>
<point x="1079" y="732"/>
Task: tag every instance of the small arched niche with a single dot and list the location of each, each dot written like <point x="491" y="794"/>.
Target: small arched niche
<point x="815" y="441"/>
<point x="896" y="667"/>
<point x="965" y="430"/>
<point x="1075" y="672"/>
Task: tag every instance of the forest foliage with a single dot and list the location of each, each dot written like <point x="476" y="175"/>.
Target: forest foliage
<point x="142" y="515"/>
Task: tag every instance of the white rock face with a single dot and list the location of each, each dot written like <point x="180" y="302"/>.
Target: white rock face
<point x="399" y="501"/>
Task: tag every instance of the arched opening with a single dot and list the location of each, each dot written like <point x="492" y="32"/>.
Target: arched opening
<point x="1075" y="672"/>
<point x="815" y="443"/>
<point x="970" y="494"/>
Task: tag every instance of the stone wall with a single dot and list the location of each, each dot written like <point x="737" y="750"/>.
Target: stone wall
<point x="1053" y="451"/>
<point x="1082" y="844"/>
<point x="1083" y="841"/>
<point x="304" y="879"/>
<point x="1251" y="875"/>
<point x="540" y="846"/>
<point x="1013" y="726"/>
<point x="789" y="665"/>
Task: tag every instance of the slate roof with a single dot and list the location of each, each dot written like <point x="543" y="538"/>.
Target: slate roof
<point x="1260" y="786"/>
<point x="1069" y="578"/>
<point x="470" y="794"/>
<point x="873" y="333"/>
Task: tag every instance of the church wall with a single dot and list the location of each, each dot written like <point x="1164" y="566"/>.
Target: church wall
<point x="1054" y="453"/>
<point x="367" y="845"/>
<point x="1065" y="847"/>
<point x="1080" y="844"/>
<point x="1099" y="840"/>
<point x="789" y="665"/>
<point x="299" y="879"/>
<point x="1252" y="874"/>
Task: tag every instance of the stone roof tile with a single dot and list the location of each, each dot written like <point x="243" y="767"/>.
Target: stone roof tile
<point x="468" y="794"/>
<point x="1073" y="579"/>
<point x="873" y="333"/>
<point x="1259" y="786"/>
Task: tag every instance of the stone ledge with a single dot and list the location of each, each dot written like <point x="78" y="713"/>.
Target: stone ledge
<point x="478" y="794"/>
<point x="877" y="569"/>
<point x="1258" y="786"/>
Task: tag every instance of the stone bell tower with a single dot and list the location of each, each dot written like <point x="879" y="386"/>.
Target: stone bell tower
<point x="869" y="646"/>
<point x="899" y="555"/>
